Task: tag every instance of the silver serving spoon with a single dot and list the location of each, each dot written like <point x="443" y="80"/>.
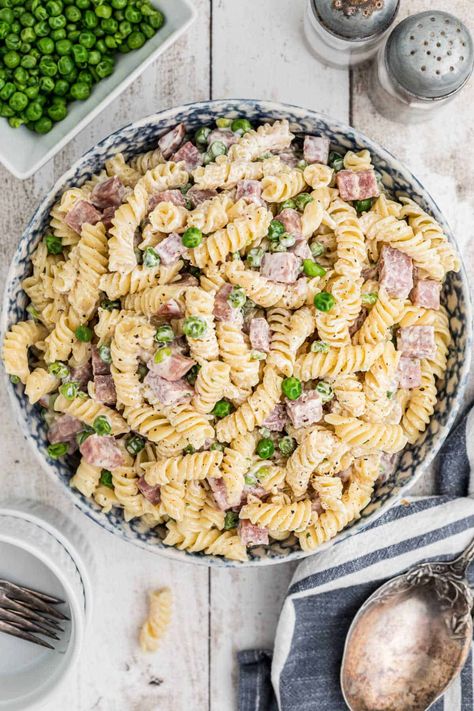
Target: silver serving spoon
<point x="410" y="639"/>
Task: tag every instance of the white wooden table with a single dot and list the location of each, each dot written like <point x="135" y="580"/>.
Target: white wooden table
<point x="252" y="49"/>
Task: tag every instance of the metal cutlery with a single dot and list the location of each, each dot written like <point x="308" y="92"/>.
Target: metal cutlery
<point x="27" y="613"/>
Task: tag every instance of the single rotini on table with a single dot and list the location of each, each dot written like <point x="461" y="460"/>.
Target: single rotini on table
<point x="228" y="335"/>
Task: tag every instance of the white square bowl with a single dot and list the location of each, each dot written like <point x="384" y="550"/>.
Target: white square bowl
<point x="23" y="152"/>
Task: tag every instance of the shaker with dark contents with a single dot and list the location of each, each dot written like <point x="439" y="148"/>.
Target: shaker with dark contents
<point x="426" y="61"/>
<point x="346" y="32"/>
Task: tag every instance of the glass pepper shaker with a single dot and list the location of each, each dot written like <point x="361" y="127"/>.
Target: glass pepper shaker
<point x="342" y="33"/>
<point x="425" y="62"/>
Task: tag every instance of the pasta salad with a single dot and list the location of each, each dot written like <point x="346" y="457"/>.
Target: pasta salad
<point x="232" y="335"/>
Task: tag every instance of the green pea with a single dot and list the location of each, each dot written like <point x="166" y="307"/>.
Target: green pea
<point x="65" y="65"/>
<point x="231" y="520"/>
<point x="103" y="11"/>
<point x="84" y="334"/>
<point x="69" y="390"/>
<point x="46" y="84"/>
<point x="73" y="14"/>
<point x="106" y="479"/>
<point x="54" y="8"/>
<point x="223" y="122"/>
<point x="83" y="4"/>
<point x="12" y="41"/>
<point x="362" y="205"/>
<point x="291" y="388"/>
<point x="80" y="91"/>
<point x="254" y="257"/>
<point x="109" y="26"/>
<point x="104" y="353"/>
<point x="60" y="34"/>
<point x="192" y="237"/>
<point x="336" y="161"/>
<point x="16" y="121"/>
<point x="60" y="370"/>
<point x="134" y="444"/>
<point x="27" y="19"/>
<point x="46" y="45"/>
<point x="8" y="89"/>
<point x="94" y="58"/>
<point x="151" y="258"/>
<point x="287" y="204"/>
<point x="237" y="297"/>
<point x="20" y="75"/>
<point x="217" y="447"/>
<point x="15" y="379"/>
<point x="161" y="355"/>
<point x="53" y="244"/>
<point x="85" y="76"/>
<point x="90" y="19"/>
<point x="136" y="40"/>
<point x="201" y="135"/>
<point x="125" y="28"/>
<point x="156" y="19"/>
<point x="287" y="240"/>
<point x="105" y="68"/>
<point x="110" y="42"/>
<point x="370" y="299"/>
<point x="194" y="326"/>
<point x="28" y="61"/>
<point x="4" y="29"/>
<point x="164" y="334"/>
<point x="317" y="249"/>
<point x="41" y="29"/>
<point x="34" y="111"/>
<point x="74" y="35"/>
<point x="57" y="112"/>
<point x="28" y="34"/>
<point x="319" y="347"/>
<point x="6" y="111"/>
<point x="118" y="4"/>
<point x="265" y="448"/>
<point x="133" y="15"/>
<point x="57" y="23"/>
<point x="217" y="148"/>
<point x="222" y="408"/>
<point x="58" y="450"/>
<point x="241" y="125"/>
<point x="25" y="47"/>
<point x="286" y="445"/>
<point x="324" y="301"/>
<point x="6" y="15"/>
<point x="147" y="30"/>
<point x="302" y="200"/>
<point x="48" y="67"/>
<point x="61" y="87"/>
<point x="325" y="390"/>
<point x="102" y="426"/>
<point x="32" y="92"/>
<point x="18" y="101"/>
<point x="275" y="230"/>
<point x="11" y="59"/>
<point x="40" y="12"/>
<point x="313" y="269"/>
<point x="87" y="39"/>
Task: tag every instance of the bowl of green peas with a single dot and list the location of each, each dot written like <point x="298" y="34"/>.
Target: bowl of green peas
<point x="63" y="61"/>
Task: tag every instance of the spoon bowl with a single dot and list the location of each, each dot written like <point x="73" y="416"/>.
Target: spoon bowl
<point x="410" y="639"/>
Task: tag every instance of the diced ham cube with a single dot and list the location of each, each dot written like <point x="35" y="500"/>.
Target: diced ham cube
<point x="249" y="190"/>
<point x="151" y="493"/>
<point x="98" y="365"/>
<point x="170" y="310"/>
<point x="166" y="392"/>
<point x="251" y="535"/>
<point x="107" y="217"/>
<point x="301" y="249"/>
<point x="175" y="197"/>
<point x="171" y="141"/>
<point x="396" y="272"/>
<point x="82" y="213"/>
<point x="372" y="272"/>
<point x="252" y="490"/>
<point x="108" y="193"/>
<point x="409" y="372"/>
<point x="417" y="341"/>
<point x="104" y="389"/>
<point x="282" y="267"/>
<point x="259" y="334"/>
<point x="170" y="249"/>
<point x="197" y="196"/>
<point x="357" y="184"/>
<point x="306" y="410"/>
<point x="219" y="493"/>
<point x="224" y="135"/>
<point x="102" y="452"/>
<point x="277" y="419"/>
<point x="316" y="149"/>
<point x="426" y="294"/>
<point x="291" y="221"/>
<point x="64" y="429"/>
<point x="81" y="375"/>
<point x="189" y="154"/>
<point x="288" y="157"/>
<point x="172" y="368"/>
<point x="223" y="310"/>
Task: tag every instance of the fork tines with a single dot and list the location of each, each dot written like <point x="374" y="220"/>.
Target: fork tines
<point x="26" y="613"/>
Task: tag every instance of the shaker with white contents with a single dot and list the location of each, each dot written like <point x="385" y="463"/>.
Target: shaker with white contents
<point x="425" y="62"/>
<point x="345" y="32"/>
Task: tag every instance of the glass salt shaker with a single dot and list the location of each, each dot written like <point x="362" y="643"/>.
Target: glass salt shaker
<point x="425" y="62"/>
<point x="342" y="33"/>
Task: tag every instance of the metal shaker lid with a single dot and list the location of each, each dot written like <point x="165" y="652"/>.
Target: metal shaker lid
<point x="431" y="54"/>
<point x="355" y="19"/>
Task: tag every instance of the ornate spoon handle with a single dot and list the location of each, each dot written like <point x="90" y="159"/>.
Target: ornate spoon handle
<point x="460" y="564"/>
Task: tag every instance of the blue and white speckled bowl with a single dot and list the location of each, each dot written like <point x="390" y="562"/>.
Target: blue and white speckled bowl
<point x="141" y="136"/>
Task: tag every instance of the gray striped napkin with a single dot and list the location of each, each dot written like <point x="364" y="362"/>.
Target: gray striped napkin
<point x="302" y="674"/>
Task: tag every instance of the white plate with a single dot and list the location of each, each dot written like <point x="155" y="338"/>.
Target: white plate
<point x="23" y="152"/>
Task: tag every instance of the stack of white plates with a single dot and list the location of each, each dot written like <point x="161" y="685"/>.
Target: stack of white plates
<point x="41" y="549"/>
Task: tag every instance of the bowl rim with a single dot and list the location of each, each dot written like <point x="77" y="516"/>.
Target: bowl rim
<point x="338" y="126"/>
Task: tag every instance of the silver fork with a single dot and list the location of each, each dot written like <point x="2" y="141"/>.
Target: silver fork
<point x="26" y="613"/>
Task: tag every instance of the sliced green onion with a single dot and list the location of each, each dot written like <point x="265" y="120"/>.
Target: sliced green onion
<point x="57" y="450"/>
<point x="319" y="347"/>
<point x="106" y="478"/>
<point x="53" y="244"/>
<point x="69" y="390"/>
<point x="60" y="370"/>
<point x="370" y="299"/>
<point x="287" y="445"/>
<point x="151" y="258"/>
<point x="317" y="249"/>
<point x="313" y="269"/>
<point x="102" y="425"/>
<point x="164" y="334"/>
<point x="231" y="519"/>
<point x="83" y="435"/>
<point x="134" y="444"/>
<point x="237" y="297"/>
<point x="325" y="390"/>
<point x="104" y="353"/>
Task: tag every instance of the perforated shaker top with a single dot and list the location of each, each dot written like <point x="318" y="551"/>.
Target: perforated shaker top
<point x="430" y="54"/>
<point x="355" y="20"/>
